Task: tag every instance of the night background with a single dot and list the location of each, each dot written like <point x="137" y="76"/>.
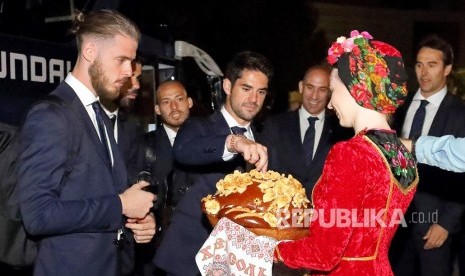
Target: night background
<point x="285" y="31"/>
<point x="293" y="34"/>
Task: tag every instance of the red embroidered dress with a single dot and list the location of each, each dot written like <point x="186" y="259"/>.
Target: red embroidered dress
<point x="362" y="177"/>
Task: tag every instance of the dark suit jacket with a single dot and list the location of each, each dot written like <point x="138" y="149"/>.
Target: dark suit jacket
<point x="172" y="178"/>
<point x="199" y="142"/>
<point x="160" y="167"/>
<point x="281" y="135"/>
<point x="438" y="189"/>
<point x="131" y="145"/>
<point x="159" y="141"/>
<point x="76" y="215"/>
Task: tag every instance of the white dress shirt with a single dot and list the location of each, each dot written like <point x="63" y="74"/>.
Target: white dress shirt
<point x="112" y="115"/>
<point x="227" y="155"/>
<point x="171" y="134"/>
<point x="304" y="124"/>
<point x="87" y="98"/>
<point x="431" y="110"/>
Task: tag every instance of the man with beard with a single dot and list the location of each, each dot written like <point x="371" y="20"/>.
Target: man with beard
<point x="73" y="189"/>
<point x="131" y="88"/>
<point x="172" y="107"/>
<point x="216" y="146"/>
<point x="128" y="134"/>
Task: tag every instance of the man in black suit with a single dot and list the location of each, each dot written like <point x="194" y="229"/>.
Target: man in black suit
<point x="434" y="215"/>
<point x="82" y="210"/>
<point x="216" y="147"/>
<point x="284" y="134"/>
<point x="172" y="107"/>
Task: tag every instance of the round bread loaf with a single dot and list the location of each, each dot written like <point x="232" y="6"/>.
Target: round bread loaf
<point x="267" y="204"/>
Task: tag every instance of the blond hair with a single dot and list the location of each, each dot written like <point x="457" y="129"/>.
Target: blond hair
<point x="102" y="24"/>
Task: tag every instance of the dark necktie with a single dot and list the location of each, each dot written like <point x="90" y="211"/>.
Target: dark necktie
<point x="241" y="164"/>
<point x="238" y="130"/>
<point x="99" y="113"/>
<point x="418" y="120"/>
<point x="309" y="140"/>
<point x="113" y="120"/>
<point x="103" y="121"/>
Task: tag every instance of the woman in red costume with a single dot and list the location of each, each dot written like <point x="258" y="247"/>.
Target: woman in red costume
<point x="368" y="181"/>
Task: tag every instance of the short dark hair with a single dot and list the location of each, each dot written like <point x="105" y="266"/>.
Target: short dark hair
<point x="248" y="60"/>
<point x="433" y="41"/>
<point x="103" y="24"/>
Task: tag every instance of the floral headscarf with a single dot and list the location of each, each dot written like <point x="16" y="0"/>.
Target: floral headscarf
<point x="372" y="71"/>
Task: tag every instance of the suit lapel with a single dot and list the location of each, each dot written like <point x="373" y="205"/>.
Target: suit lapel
<point x="320" y="147"/>
<point x="79" y="110"/>
<point x="164" y="150"/>
<point x="123" y="137"/>
<point x="325" y="140"/>
<point x="219" y="124"/>
<point x="294" y="125"/>
<point x="401" y="112"/>
<point x="119" y="167"/>
<point x="163" y="138"/>
<point x="221" y="127"/>
<point x="293" y="139"/>
<point x="440" y="120"/>
<point x="287" y="131"/>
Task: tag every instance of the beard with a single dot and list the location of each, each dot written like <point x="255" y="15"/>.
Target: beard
<point x="126" y="103"/>
<point x="100" y="82"/>
<point x="241" y="112"/>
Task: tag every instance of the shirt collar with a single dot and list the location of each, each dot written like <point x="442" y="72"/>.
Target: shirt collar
<point x="303" y="113"/>
<point x="84" y="94"/>
<point x="435" y="99"/>
<point x="109" y="113"/>
<point x="170" y="133"/>
<point x="231" y="121"/>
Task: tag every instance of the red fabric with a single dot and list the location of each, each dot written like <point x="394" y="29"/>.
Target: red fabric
<point x="386" y="49"/>
<point x="355" y="177"/>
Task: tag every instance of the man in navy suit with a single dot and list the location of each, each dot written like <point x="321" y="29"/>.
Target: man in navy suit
<point x="284" y="134"/>
<point x="173" y="108"/>
<point x="429" y="242"/>
<point x="215" y="146"/>
<point x="81" y="211"/>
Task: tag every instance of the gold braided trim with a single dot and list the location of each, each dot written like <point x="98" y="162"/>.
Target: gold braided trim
<point x="370" y="258"/>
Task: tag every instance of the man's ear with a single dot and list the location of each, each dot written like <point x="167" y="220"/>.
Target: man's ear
<point x="448" y="70"/>
<point x="189" y="100"/>
<point x="227" y="86"/>
<point x="89" y="51"/>
<point x="301" y="86"/>
<point x="157" y="110"/>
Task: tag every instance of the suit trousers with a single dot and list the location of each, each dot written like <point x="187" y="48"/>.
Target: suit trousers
<point x="415" y="260"/>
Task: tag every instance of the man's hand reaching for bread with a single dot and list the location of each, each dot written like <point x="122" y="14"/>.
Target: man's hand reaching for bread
<point x="253" y="152"/>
